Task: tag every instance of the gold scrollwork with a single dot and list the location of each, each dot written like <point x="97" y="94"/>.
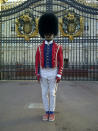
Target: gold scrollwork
<point x="26" y="26"/>
<point x="71" y="25"/>
<point x="3" y="1"/>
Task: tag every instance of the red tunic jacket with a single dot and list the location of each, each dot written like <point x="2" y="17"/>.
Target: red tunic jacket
<point x="57" y="57"/>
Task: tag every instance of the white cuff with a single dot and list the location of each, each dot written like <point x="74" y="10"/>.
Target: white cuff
<point x="58" y="75"/>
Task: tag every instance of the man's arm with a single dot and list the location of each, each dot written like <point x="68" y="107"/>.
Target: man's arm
<point x="60" y="64"/>
<point x="37" y="64"/>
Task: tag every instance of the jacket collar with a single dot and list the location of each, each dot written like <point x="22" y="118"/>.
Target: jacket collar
<point x="48" y="43"/>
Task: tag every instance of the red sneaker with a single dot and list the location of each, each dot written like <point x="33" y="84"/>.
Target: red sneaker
<point x="45" y="117"/>
<point x="51" y="117"/>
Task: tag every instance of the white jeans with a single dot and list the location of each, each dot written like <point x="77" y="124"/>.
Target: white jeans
<point x="49" y="88"/>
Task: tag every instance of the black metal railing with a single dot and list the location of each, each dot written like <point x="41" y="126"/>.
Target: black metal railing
<point x="17" y="56"/>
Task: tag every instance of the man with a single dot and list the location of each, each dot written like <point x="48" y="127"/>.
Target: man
<point x="48" y="63"/>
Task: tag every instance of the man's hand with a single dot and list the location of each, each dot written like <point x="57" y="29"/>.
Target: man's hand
<point x="38" y="77"/>
<point x="58" y="79"/>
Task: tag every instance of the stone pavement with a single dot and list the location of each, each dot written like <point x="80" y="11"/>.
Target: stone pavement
<point x="21" y="106"/>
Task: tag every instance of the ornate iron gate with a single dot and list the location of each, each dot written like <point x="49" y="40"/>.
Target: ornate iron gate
<point x="78" y="35"/>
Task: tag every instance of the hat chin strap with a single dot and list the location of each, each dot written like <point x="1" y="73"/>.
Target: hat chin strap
<point x="48" y="40"/>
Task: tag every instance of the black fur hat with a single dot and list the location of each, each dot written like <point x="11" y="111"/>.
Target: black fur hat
<point x="48" y="24"/>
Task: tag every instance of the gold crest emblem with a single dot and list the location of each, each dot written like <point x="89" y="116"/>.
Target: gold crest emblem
<point x="71" y="25"/>
<point x="27" y="26"/>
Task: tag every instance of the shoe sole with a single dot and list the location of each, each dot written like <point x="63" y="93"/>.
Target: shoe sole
<point x="45" y="119"/>
<point x="52" y="120"/>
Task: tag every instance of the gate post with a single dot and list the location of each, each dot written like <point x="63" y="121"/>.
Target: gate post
<point x="49" y="5"/>
<point x="0" y="39"/>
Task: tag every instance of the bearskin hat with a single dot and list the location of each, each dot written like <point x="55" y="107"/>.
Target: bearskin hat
<point x="48" y="24"/>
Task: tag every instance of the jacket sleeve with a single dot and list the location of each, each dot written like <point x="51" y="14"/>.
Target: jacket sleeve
<point x="37" y="62"/>
<point x="60" y="62"/>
